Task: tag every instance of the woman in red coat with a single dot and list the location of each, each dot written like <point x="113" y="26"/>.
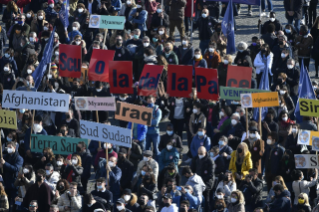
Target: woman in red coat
<point x="188" y="13"/>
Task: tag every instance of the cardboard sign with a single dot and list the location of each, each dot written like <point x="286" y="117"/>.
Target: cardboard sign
<point x="70" y="61"/>
<point x="230" y="93"/>
<point x="58" y="144"/>
<point x="179" y="80"/>
<point x="309" y="107"/>
<point x="121" y="77"/>
<point x="106" y="133"/>
<point x="306" y="161"/>
<point x="107" y="22"/>
<point x="206" y="83"/>
<point x="99" y="65"/>
<point x="35" y="100"/>
<point x="95" y="103"/>
<point x="149" y="80"/>
<point x="239" y="76"/>
<point x="8" y="119"/>
<point x="252" y="100"/>
<point x="133" y="113"/>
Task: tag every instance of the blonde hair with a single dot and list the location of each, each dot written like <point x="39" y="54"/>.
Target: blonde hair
<point x="240" y="195"/>
<point x="281" y="181"/>
<point x="245" y="152"/>
<point x="229" y="58"/>
<point x="79" y="159"/>
<point x="305" y="197"/>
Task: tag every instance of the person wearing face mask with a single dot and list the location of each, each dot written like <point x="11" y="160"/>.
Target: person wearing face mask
<point x="11" y="164"/>
<point x="237" y="202"/>
<point x="197" y="61"/>
<point x="148" y="159"/>
<point x="72" y="123"/>
<point x="197" y="120"/>
<point x="274" y="153"/>
<point x="177" y="106"/>
<point x="291" y="142"/>
<point x="218" y="159"/>
<point x="40" y="191"/>
<point x="303" y="203"/>
<point x="170" y="55"/>
<point x="240" y="162"/>
<point x="222" y="69"/>
<point x="121" y="205"/>
<point x="138" y="16"/>
<point x="75" y="31"/>
<point x="26" y="49"/>
<point x="139" y="57"/>
<point x="212" y="57"/>
<point x="46" y="158"/>
<point x="71" y="200"/>
<point x="284" y="123"/>
<point x="273" y="20"/>
<point x="74" y="171"/>
<point x="81" y="15"/>
<point x="121" y="52"/>
<point x="127" y="168"/>
<point x="101" y="153"/>
<point x="8" y="57"/>
<point x="304" y="44"/>
<point x="126" y="9"/>
<point x="172" y="137"/>
<point x="131" y="200"/>
<point x="168" y="155"/>
<point x="146" y="204"/>
<point x="11" y="10"/>
<point x="220" y="206"/>
<point x="38" y="24"/>
<point x="150" y="57"/>
<point x="185" y="52"/>
<point x="234" y="130"/>
<point x="168" y="205"/>
<point x="278" y="180"/>
<point x="7" y="77"/>
<point x="263" y="59"/>
<point x="281" y="201"/>
<point x="254" y="47"/>
<point x="242" y="53"/>
<point x="50" y="13"/>
<point x="101" y="192"/>
<point x="78" y="41"/>
<point x="52" y="177"/>
<point x="280" y="61"/>
<point x="194" y="181"/>
<point x="224" y="150"/>
<point x="159" y="18"/>
<point x="91" y="203"/>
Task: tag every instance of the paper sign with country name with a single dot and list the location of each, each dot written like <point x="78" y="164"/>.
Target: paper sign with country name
<point x="8" y="119"/>
<point x="252" y="100"/>
<point x="107" y="22"/>
<point x="95" y="103"/>
<point x="309" y="107"/>
<point x="58" y="144"/>
<point x="306" y="161"/>
<point x="310" y="138"/>
<point x="106" y="133"/>
<point x="231" y="93"/>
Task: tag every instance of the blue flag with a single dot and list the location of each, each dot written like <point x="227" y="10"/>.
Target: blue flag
<point x="64" y="14"/>
<point x="264" y="85"/>
<point x="250" y="2"/>
<point x="228" y="28"/>
<point x="46" y="59"/>
<point x="305" y="90"/>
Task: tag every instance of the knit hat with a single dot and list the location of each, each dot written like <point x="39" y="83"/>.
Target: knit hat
<point x="54" y="67"/>
<point x="50" y="2"/>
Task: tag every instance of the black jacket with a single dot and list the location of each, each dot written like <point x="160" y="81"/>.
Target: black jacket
<point x="281" y="202"/>
<point x="269" y="39"/>
<point x="277" y="24"/>
<point x="7" y="80"/>
<point x="136" y="154"/>
<point x="297" y="8"/>
<point x="177" y="142"/>
<point x="76" y="175"/>
<point x="122" y="54"/>
<point x="26" y="51"/>
<point x="252" y="191"/>
<point x="86" y="159"/>
<point x="292" y="80"/>
<point x="220" y="165"/>
<point x="298" y="207"/>
<point x="205" y="168"/>
<point x="106" y="195"/>
<point x="187" y="56"/>
<point x="164" y="177"/>
<point x="156" y="21"/>
<point x="127" y="168"/>
<point x="205" y="27"/>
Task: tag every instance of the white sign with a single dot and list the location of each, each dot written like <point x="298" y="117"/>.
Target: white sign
<point x="95" y="103"/>
<point x="306" y="161"/>
<point x="35" y="100"/>
<point x="304" y="137"/>
<point x="106" y="133"/>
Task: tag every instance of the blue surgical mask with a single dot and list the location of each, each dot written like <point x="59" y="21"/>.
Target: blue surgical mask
<point x="9" y="139"/>
<point x="22" y="110"/>
<point x="211" y="154"/>
<point x="302" y="177"/>
<point x="220" y="143"/>
<point x="99" y="186"/>
<point x="143" y="172"/>
<point x="200" y="133"/>
<point x="169" y="132"/>
<point x="151" y="105"/>
<point x="288" y="31"/>
<point x="135" y="36"/>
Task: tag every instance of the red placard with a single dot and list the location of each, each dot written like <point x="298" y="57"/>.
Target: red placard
<point x="179" y="80"/>
<point x="239" y="76"/>
<point x="99" y="65"/>
<point x="206" y="81"/>
<point x="70" y="61"/>
<point x="149" y="79"/>
<point x="121" y="77"/>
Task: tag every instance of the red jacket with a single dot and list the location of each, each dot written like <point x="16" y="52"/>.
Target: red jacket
<point x="188" y="8"/>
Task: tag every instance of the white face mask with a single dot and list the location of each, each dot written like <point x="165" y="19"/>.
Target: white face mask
<point x="74" y="161"/>
<point x="77" y="42"/>
<point x="146" y="158"/>
<point x="6" y="69"/>
<point x="197" y="56"/>
<point x="59" y="163"/>
<point x="51" y="5"/>
<point x="305" y="36"/>
<point x="283" y="55"/>
<point x="225" y="62"/>
<point x="47" y="172"/>
<point x="252" y="135"/>
<point x="195" y="110"/>
<point x="108" y="146"/>
<point x="269" y="141"/>
<point x="219" y="196"/>
<point x="128" y="2"/>
<point x="233" y="200"/>
<point x="122" y="98"/>
<point x="290" y="66"/>
<point x="37" y="128"/>
<point x="294" y="130"/>
<point x="25" y="171"/>
<point x="169" y="147"/>
<point x="45" y="28"/>
<point x="80" y="10"/>
<point x="119" y="208"/>
<point x="29" y="71"/>
<point x="161" y="32"/>
<point x="233" y="122"/>
<point x="7" y="55"/>
<point x="9" y="150"/>
<point x="201" y="156"/>
<point x="111" y="164"/>
<point x="74" y="28"/>
<point x="127" y="198"/>
<point x="282" y="92"/>
<point x="272" y="19"/>
<point x="28" y="15"/>
<point x="40" y="17"/>
<point x="146" y="44"/>
<point x="56" y="53"/>
<point x="211" y="50"/>
<point x="221" y="113"/>
<point x="184" y="42"/>
<point x="285" y="118"/>
<point x="31" y="39"/>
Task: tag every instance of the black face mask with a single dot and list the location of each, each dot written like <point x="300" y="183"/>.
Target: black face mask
<point x="239" y="150"/>
<point x="281" y="43"/>
<point x="169" y="189"/>
<point x="39" y="178"/>
<point x="141" y="202"/>
<point x="166" y="204"/>
<point x="78" y="149"/>
<point x="67" y="116"/>
<point x="60" y="187"/>
<point x="167" y="49"/>
<point x="119" y="42"/>
<point x="218" y="29"/>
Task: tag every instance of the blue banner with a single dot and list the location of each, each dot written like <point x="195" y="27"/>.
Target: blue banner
<point x="64" y="14"/>
<point x="251" y="2"/>
<point x="228" y="28"/>
<point x="264" y="85"/>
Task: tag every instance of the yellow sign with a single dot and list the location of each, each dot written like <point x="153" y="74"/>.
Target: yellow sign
<point x="309" y="138"/>
<point x="8" y="119"/>
<point x="84" y="75"/>
<point x="251" y="100"/>
<point x="309" y="107"/>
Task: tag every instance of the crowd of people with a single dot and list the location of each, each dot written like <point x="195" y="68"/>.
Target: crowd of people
<point x="227" y="166"/>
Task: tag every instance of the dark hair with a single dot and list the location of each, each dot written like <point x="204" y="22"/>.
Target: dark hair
<point x="278" y="187"/>
<point x="101" y="180"/>
<point x="280" y="115"/>
<point x="296" y="174"/>
<point x="268" y="49"/>
<point x="65" y="125"/>
<point x="273" y="135"/>
<point x="149" y="208"/>
<point x="186" y="203"/>
<point x="186" y="170"/>
<point x="41" y="172"/>
<point x="38" y="118"/>
<point x="198" y="105"/>
<point x="271" y="28"/>
<point x="197" y="50"/>
<point x="82" y="143"/>
<point x="87" y="198"/>
<point x="228" y="111"/>
<point x="14" y="135"/>
<point x="10" y="51"/>
<point x="253" y="170"/>
<point x="304" y="28"/>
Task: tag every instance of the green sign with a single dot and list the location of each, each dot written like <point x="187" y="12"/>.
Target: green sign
<point x="107" y="22"/>
<point x="59" y="145"/>
<point x="231" y="93"/>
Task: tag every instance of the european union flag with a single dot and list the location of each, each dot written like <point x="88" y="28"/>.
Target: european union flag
<point x="46" y="59"/>
<point x="305" y="90"/>
<point x="64" y="13"/>
<point x="264" y="85"/>
<point x="228" y="28"/>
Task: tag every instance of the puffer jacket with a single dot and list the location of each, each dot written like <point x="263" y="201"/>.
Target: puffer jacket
<point x="304" y="46"/>
<point x="74" y="202"/>
<point x="245" y="166"/>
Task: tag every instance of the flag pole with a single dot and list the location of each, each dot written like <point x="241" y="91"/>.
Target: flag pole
<point x="163" y="9"/>
<point x="260" y="20"/>
<point x="1" y="153"/>
<point x="246" y="111"/>
<point x="192" y="20"/>
<point x="260" y="129"/>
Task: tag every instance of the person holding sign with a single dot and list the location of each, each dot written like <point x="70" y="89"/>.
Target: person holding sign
<point x="73" y="171"/>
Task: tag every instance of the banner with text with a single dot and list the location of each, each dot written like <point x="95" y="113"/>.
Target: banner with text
<point x="309" y="138"/>
<point x="252" y="100"/>
<point x="238" y="76"/>
<point x="35" y="100"/>
<point x="8" y="119"/>
<point x="206" y="83"/>
<point x="230" y="93"/>
<point x="306" y="161"/>
<point x="95" y="103"/>
<point x="70" y="60"/>
<point x="58" y="144"/>
<point x="106" y="133"/>
<point x="133" y="113"/>
<point x="149" y="79"/>
<point x="99" y="65"/>
<point x="179" y="80"/>
<point x="107" y="22"/>
<point x="309" y="107"/>
<point x="121" y="77"/>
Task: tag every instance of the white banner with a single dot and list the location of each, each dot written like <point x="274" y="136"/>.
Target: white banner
<point x="106" y="133"/>
<point x="95" y="103"/>
<point x="306" y="161"/>
<point x="35" y="100"/>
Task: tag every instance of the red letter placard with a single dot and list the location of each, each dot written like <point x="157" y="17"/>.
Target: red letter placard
<point x="206" y="83"/>
<point x="238" y="76"/>
<point x="149" y="79"/>
<point x="121" y="77"/>
<point x="99" y="65"/>
<point x="179" y="80"/>
<point x="70" y="62"/>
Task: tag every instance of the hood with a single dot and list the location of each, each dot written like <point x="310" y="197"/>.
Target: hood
<point x="133" y="200"/>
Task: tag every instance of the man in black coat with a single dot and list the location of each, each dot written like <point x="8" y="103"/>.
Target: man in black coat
<point x="273" y="20"/>
<point x="121" y="52"/>
<point x="158" y="17"/>
<point x="170" y="136"/>
<point x="185" y="52"/>
<point x="86" y="158"/>
<point x="293" y="75"/>
<point x="293" y="12"/>
<point x="270" y="36"/>
<point x="127" y="168"/>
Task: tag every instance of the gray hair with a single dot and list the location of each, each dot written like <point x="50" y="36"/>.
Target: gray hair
<point x="291" y="60"/>
<point x="146" y="38"/>
<point x="242" y="45"/>
<point x="76" y="24"/>
<point x="224" y="138"/>
<point x="138" y="31"/>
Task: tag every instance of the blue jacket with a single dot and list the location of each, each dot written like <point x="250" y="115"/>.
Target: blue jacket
<point x="140" y="20"/>
<point x="49" y="14"/>
<point x="141" y="131"/>
<point x="115" y="178"/>
<point x="194" y="201"/>
<point x="117" y="4"/>
<point x="201" y="64"/>
<point x="166" y="157"/>
<point x="281" y="203"/>
<point x="27" y="137"/>
<point x="11" y="167"/>
<point x="157" y="116"/>
<point x="71" y="36"/>
<point x="197" y="142"/>
<point x="10" y="60"/>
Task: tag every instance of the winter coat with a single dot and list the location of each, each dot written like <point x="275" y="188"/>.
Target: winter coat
<point x="297" y="8"/>
<point x="132" y="204"/>
<point x="245" y="166"/>
<point x="95" y="6"/>
<point x="115" y="176"/>
<point x="281" y="203"/>
<point x="198" y="142"/>
<point x="167" y="157"/>
<point x="140" y="20"/>
<point x="222" y="74"/>
<point x="11" y="60"/>
<point x="136" y="154"/>
<point x="187" y="56"/>
<point x="26" y="52"/>
<point x="259" y="64"/>
<point x="24" y="32"/>
<point x="156" y="21"/>
<point x="253" y="190"/>
<point x="50" y="14"/>
<point x="272" y="156"/>
<point x="127" y="168"/>
<point x="205" y="27"/>
<point x="177" y="142"/>
<point x="205" y="168"/>
<point x="81" y="17"/>
<point x="42" y="194"/>
<point x="304" y="46"/>
<point x="177" y="12"/>
<point x="52" y="180"/>
<point x="76" y="175"/>
<point x="11" y="167"/>
<point x="255" y="148"/>
<point x="35" y="26"/>
<point x="212" y="62"/>
<point x="172" y="58"/>
<point x="152" y="163"/>
<point x="7" y="80"/>
<point x="237" y="207"/>
<point x="122" y="54"/>
<point x="157" y="116"/>
<point x="74" y="202"/>
<point x="277" y="24"/>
